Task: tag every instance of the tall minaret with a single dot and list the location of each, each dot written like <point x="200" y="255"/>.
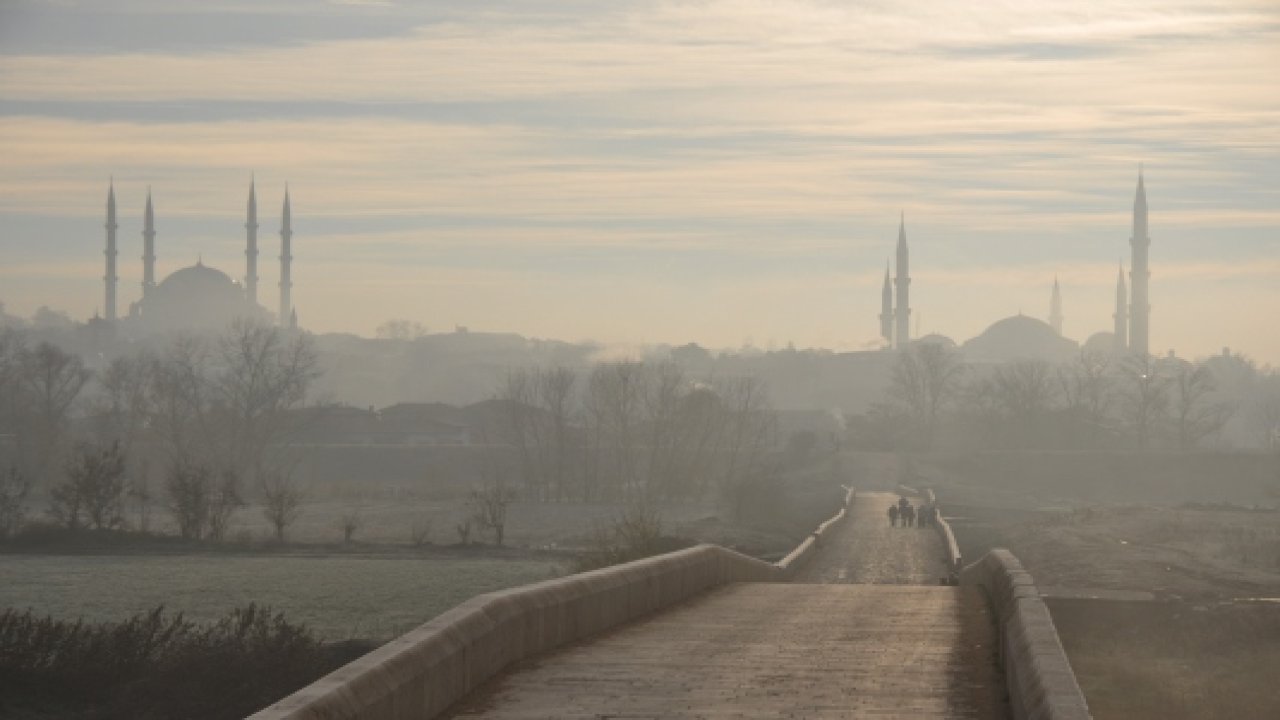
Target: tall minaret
<point x="251" y="247"/>
<point x="1139" y="275"/>
<point x="1055" y="308"/>
<point x="111" y="278"/>
<point x="286" y="259"/>
<point x="1122" y="315"/>
<point x="903" y="282"/>
<point x="886" y="308"/>
<point x="148" y="248"/>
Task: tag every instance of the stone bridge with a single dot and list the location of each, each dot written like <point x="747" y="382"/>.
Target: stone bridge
<point x="861" y="620"/>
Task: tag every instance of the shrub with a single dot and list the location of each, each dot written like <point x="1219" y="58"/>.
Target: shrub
<point x="154" y="665"/>
<point x="635" y="534"/>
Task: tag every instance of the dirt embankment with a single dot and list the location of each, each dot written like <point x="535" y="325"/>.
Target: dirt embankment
<point x="1158" y="587"/>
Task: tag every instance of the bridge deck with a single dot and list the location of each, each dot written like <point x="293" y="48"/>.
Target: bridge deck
<point x="766" y="650"/>
<point x="896" y="645"/>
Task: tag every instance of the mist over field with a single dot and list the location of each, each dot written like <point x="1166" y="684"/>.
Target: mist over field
<point x="321" y="319"/>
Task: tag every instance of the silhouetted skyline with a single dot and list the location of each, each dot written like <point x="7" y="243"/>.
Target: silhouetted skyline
<point x="650" y="172"/>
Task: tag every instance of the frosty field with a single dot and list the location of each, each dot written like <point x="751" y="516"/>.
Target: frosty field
<point x="340" y="597"/>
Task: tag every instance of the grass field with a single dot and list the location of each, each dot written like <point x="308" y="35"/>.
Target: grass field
<point x="340" y="597"/>
<point x="1171" y="660"/>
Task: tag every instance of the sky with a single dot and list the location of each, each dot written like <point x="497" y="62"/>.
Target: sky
<point x="726" y="172"/>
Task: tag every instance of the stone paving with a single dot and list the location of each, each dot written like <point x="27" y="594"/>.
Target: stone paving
<point x="869" y="550"/>
<point x="880" y="649"/>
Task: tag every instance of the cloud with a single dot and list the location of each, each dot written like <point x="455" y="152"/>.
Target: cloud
<point x="718" y="169"/>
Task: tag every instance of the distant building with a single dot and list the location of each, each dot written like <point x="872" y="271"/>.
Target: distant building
<point x="1021" y="337"/>
<point x="199" y="296"/>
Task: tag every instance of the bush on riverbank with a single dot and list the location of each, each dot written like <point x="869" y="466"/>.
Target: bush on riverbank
<point x="156" y="665"/>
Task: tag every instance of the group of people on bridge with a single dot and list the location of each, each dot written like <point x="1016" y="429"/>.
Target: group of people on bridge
<point x="926" y="516"/>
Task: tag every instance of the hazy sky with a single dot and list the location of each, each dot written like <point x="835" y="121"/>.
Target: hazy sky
<point x="635" y="171"/>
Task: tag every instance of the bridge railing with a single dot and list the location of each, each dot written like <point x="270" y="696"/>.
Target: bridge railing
<point x="421" y="673"/>
<point x="1041" y="683"/>
<point x="804" y="552"/>
<point x="953" y="558"/>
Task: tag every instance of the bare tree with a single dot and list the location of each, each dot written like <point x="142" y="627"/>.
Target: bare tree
<point x="352" y="519"/>
<point x="1087" y="389"/>
<point x="180" y="403"/>
<point x="489" y="505"/>
<point x="124" y="402"/>
<point x="464" y="531"/>
<point x="555" y="396"/>
<point x="224" y="500"/>
<point x="1196" y="412"/>
<point x="420" y="532"/>
<point x="1144" y="396"/>
<point x="14" y="488"/>
<point x="926" y="376"/>
<point x="188" y="490"/>
<point x="12" y="348"/>
<point x="49" y="382"/>
<point x="400" y="329"/>
<point x="750" y="424"/>
<point x="281" y="500"/>
<point x="140" y="497"/>
<point x="1025" y="391"/>
<point x="93" y="492"/>
<point x="615" y="393"/>
<point x="263" y="372"/>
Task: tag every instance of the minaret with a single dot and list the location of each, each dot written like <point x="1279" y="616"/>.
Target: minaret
<point x="148" y="248"/>
<point x="251" y="247"/>
<point x="1055" y="308"/>
<point x="903" y="282"/>
<point x="286" y="259"/>
<point x="111" y="278"/>
<point x="1139" y="275"/>
<point x="1122" y="314"/>
<point x="886" y="308"/>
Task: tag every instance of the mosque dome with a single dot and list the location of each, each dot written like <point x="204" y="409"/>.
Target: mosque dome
<point x="1100" y="343"/>
<point x="199" y="279"/>
<point x="1020" y="338"/>
<point x="936" y="339"/>
<point x="195" y="298"/>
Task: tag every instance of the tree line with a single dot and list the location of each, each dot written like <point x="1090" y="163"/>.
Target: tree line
<point x="201" y="415"/>
<point x="1094" y="402"/>
<point x="638" y="432"/>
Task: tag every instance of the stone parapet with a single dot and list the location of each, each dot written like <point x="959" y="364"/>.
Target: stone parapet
<point x="1041" y="683"/>
<point x="421" y="673"/>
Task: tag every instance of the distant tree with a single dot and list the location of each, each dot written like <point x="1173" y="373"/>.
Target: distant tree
<point x="1087" y="390"/>
<point x="489" y="505"/>
<point x="748" y="440"/>
<point x="1144" y="397"/>
<point x="1263" y="410"/>
<point x="12" y="347"/>
<point x="125" y="399"/>
<point x="352" y="519"/>
<point x="262" y="373"/>
<point x="224" y="501"/>
<point x="14" y="488"/>
<point x="140" y="497"/>
<point x="189" y="490"/>
<point x="420" y="532"/>
<point x="1196" y="412"/>
<point x="401" y="330"/>
<point x="282" y="501"/>
<point x="93" y="492"/>
<point x="925" y="378"/>
<point x="464" y="531"/>
<point x="49" y="383"/>
<point x="1025" y="392"/>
